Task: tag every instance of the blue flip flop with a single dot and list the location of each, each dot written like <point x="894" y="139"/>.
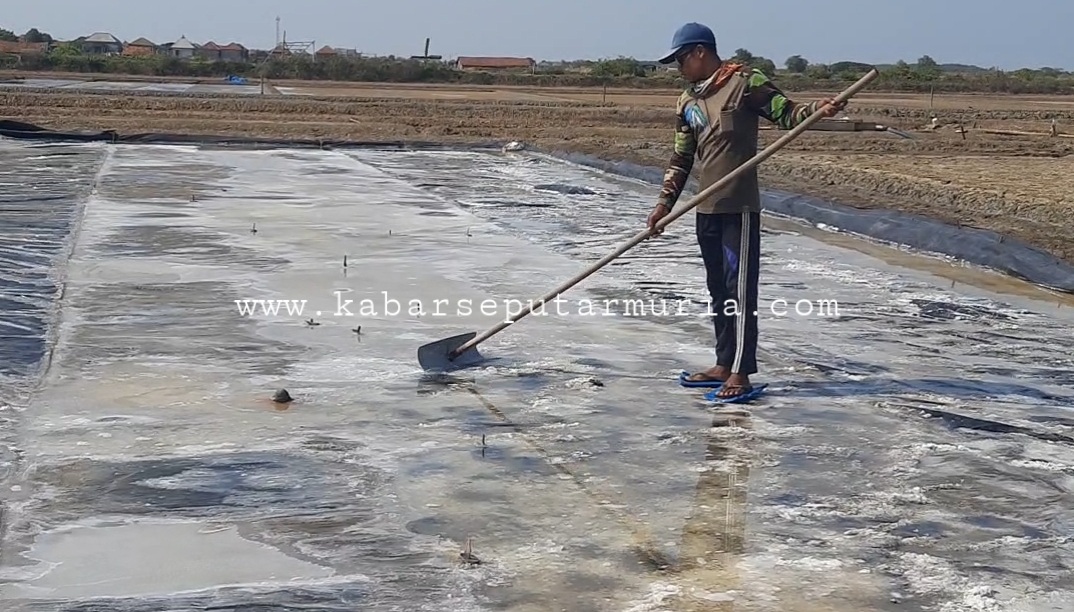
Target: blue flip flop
<point x="713" y="384"/>
<point x="741" y="398"/>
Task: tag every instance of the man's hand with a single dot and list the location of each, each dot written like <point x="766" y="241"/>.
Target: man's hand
<point x="832" y="108"/>
<point x="659" y="212"/>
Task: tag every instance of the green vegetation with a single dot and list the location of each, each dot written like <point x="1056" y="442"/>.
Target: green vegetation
<point x="798" y="73"/>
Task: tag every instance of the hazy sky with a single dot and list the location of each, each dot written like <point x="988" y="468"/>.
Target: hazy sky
<point x="999" y="33"/>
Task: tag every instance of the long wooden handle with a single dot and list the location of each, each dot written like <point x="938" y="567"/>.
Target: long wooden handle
<point x="843" y="96"/>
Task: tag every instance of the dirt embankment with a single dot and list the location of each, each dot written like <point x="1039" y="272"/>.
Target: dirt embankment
<point x="1018" y="184"/>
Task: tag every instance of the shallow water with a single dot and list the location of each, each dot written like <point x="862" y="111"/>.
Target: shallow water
<point x="123" y="86"/>
<point x="914" y="447"/>
<point x="198" y="554"/>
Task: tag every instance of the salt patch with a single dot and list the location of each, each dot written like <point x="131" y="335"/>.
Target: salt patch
<point x="83" y="562"/>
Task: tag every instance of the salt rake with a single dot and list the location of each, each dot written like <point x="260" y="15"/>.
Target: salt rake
<point x="461" y="351"/>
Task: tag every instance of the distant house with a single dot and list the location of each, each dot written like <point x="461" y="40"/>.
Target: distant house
<point x="651" y="66"/>
<point x="209" y="51"/>
<point x="101" y="43"/>
<point x="182" y="48"/>
<point x="234" y="52"/>
<point x="22" y="48"/>
<point x="499" y="64"/>
<point x="325" y="52"/>
<point x="140" y="47"/>
<point x="279" y="51"/>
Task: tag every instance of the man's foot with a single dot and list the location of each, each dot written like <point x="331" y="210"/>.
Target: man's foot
<point x="735" y="385"/>
<point x="713" y="374"/>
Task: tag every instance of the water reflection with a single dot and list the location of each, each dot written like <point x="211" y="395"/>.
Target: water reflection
<point x="713" y="535"/>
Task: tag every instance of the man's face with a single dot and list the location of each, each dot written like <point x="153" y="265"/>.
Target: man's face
<point x="689" y="61"/>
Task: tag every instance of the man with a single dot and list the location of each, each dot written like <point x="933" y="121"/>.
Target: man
<point x="717" y="122"/>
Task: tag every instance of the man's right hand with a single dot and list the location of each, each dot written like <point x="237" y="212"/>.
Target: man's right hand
<point x="659" y="212"/>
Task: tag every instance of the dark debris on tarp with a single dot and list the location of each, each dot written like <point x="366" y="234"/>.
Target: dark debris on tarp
<point x="970" y="244"/>
<point x="29" y="131"/>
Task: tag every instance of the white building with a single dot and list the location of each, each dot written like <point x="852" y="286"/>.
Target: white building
<point x="183" y="48"/>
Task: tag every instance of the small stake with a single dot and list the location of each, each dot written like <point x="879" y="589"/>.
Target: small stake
<point x="467" y="553"/>
<point x="253" y="230"/>
<point x="344" y="261"/>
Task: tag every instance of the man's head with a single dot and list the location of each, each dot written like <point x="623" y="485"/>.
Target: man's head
<point x="693" y="47"/>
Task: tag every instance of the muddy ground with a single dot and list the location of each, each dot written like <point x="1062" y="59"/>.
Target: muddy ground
<point x="1016" y="183"/>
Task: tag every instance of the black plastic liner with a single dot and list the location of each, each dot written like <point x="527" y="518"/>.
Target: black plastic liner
<point x="29" y="131"/>
<point x="37" y="218"/>
<point x="974" y="245"/>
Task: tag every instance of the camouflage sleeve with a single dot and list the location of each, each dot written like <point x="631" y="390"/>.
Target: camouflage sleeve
<point x="682" y="161"/>
<point x="768" y="101"/>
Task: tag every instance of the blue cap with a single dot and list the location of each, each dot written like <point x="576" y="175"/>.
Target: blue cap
<point x="686" y="36"/>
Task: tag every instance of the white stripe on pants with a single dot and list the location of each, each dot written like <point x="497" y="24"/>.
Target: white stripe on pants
<point x="743" y="288"/>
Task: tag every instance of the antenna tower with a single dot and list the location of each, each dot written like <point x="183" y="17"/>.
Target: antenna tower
<point x="292" y="46"/>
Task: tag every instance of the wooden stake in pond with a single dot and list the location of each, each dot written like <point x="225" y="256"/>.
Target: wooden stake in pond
<point x="932" y="95"/>
<point x="467" y="554"/>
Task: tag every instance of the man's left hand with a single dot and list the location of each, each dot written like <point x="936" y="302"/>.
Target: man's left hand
<point x="833" y="108"/>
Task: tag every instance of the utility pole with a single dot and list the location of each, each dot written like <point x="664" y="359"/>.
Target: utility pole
<point x="277" y="32"/>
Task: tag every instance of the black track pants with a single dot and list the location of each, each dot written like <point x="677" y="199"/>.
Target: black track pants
<point x="731" y="249"/>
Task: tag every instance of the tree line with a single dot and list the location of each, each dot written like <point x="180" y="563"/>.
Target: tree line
<point x="796" y="74"/>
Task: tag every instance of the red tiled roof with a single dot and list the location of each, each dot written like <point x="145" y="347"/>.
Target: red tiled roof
<point x="139" y="50"/>
<point x="495" y="62"/>
<point x="233" y="47"/>
<point x="211" y="46"/>
<point x="22" y="47"/>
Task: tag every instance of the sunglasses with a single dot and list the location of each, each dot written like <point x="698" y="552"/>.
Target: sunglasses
<point x="682" y="55"/>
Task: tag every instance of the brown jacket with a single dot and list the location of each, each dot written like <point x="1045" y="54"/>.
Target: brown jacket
<point x="717" y="125"/>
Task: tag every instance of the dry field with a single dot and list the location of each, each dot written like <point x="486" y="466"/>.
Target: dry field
<point x="1019" y="184"/>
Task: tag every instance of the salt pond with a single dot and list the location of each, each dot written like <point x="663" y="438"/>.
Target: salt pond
<point x="71" y="85"/>
<point x="587" y="478"/>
